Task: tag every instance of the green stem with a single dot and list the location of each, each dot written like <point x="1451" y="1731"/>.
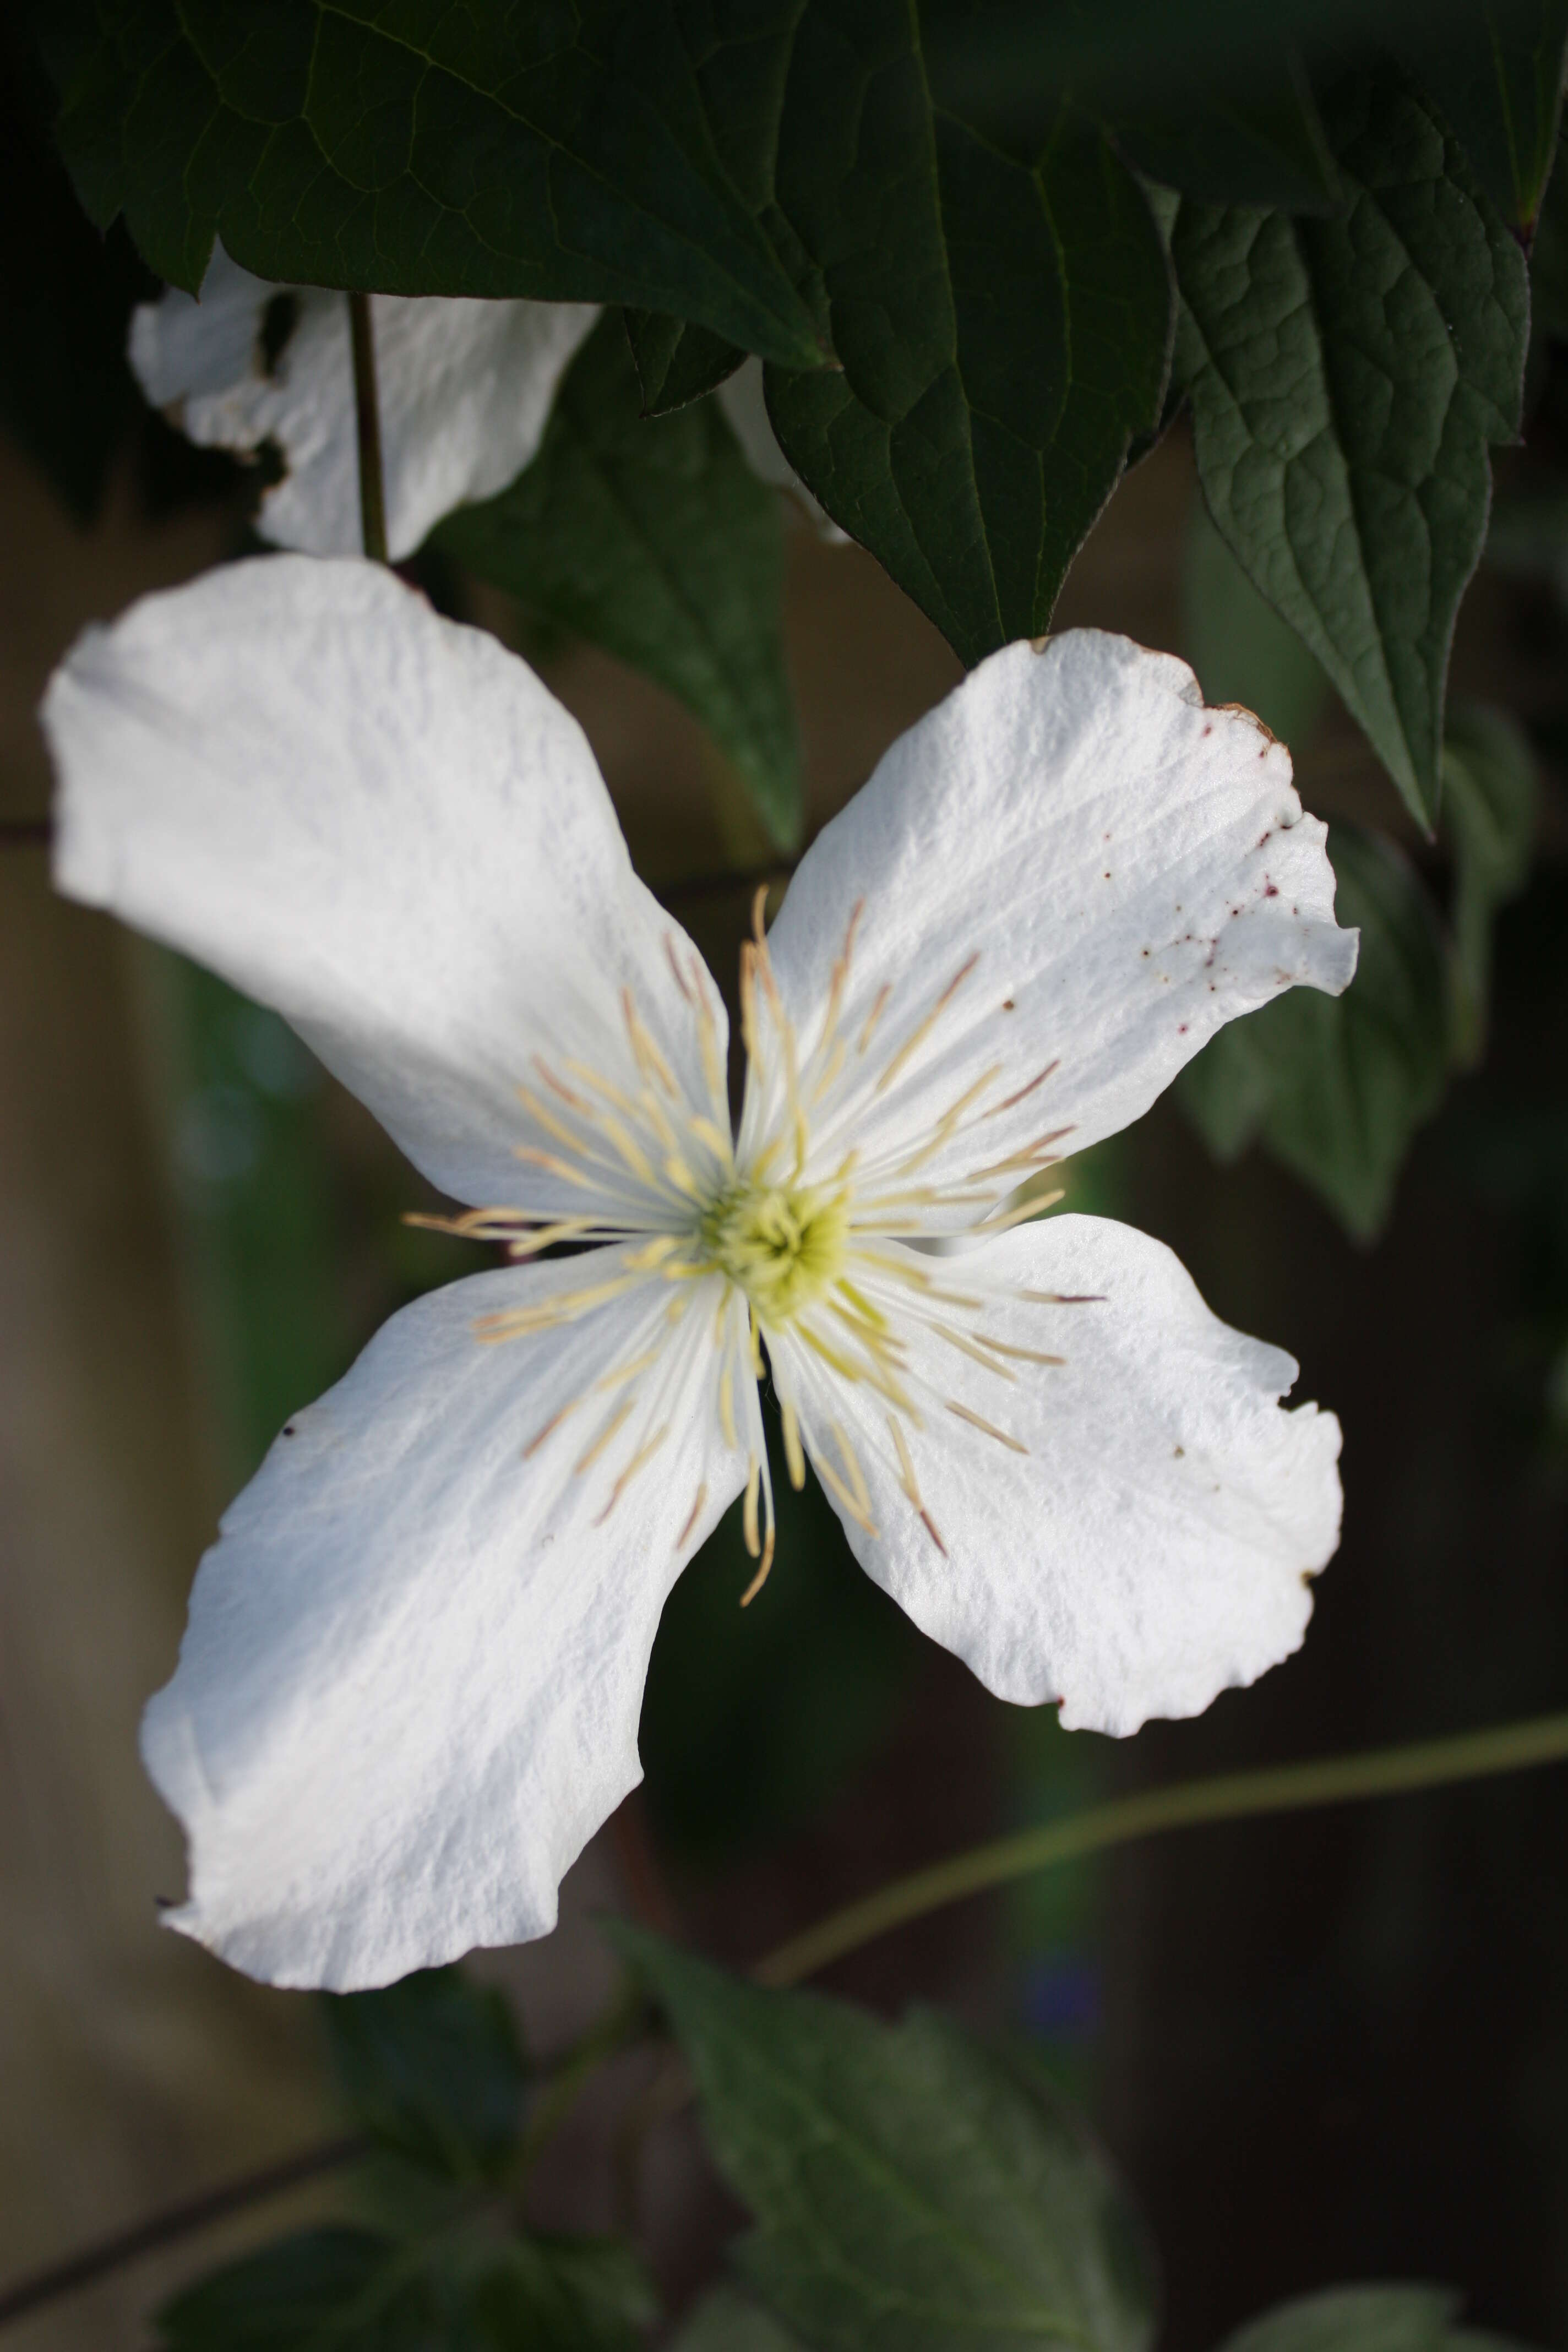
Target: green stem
<point x="367" y="423"/>
<point x="1231" y="1795"/>
<point x="617" y="2026"/>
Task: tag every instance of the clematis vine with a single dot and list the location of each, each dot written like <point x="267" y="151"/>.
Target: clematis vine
<point x="465" y="390"/>
<point x="409" y="1689"/>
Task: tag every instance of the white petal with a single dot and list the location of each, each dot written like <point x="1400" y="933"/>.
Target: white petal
<point x="1152" y="1546"/>
<point x="464" y="388"/>
<point x="382" y="824"/>
<point x="741" y="396"/>
<point x="409" y="1690"/>
<point x="1115" y="872"/>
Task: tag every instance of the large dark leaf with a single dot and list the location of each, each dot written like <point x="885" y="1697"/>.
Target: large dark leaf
<point x="1346" y="376"/>
<point x="431" y="2068"/>
<point x="1001" y="332"/>
<point x="911" y="2195"/>
<point x="567" y="152"/>
<point x="1336" y="1086"/>
<point x="652" y="536"/>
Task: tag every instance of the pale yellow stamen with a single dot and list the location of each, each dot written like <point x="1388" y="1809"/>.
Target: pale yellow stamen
<point x="996" y="1112"/>
<point x="1021" y="1213"/>
<point x="616" y="1421"/>
<point x="684" y="1537"/>
<point x="910" y="1485"/>
<point x="879" y="1007"/>
<point x="841" y="1494"/>
<point x="972" y="1349"/>
<point x="1023" y="1355"/>
<point x="551" y="1426"/>
<point x="922" y="1029"/>
<point x="851" y="1462"/>
<point x="794" y="1456"/>
<point x="638" y="1461"/>
<point x="644" y="1050"/>
<point x="976" y="1421"/>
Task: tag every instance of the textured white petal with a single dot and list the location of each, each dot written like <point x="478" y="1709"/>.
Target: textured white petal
<point x="409" y="1690"/>
<point x="464" y="388"/>
<point x="1114" y="870"/>
<point x="382" y="824"/>
<point x="1152" y="1546"/>
<point x="741" y="398"/>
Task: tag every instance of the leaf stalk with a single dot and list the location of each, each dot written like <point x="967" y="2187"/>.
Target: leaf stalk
<point x="367" y="428"/>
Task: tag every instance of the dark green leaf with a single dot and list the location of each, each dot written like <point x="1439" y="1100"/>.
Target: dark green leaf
<point x="677" y="361"/>
<point x="568" y="153"/>
<point x="1002" y="332"/>
<point x="1488" y="816"/>
<point x="559" y="2295"/>
<point x="1362" y="2319"/>
<point x="331" y="2290"/>
<point x="1241" y="649"/>
<point x="1346" y="376"/>
<point x="432" y="2069"/>
<point x="910" y="2194"/>
<point x="725" y="2322"/>
<point x="1498" y="77"/>
<point x="1335" y="1087"/>
<point x="653" y="538"/>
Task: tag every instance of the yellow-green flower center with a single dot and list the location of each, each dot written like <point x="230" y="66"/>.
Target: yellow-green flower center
<point x="782" y="1245"/>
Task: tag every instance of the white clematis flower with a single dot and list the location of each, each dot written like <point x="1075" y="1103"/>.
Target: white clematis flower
<point x="465" y="390"/>
<point x="410" y="1687"/>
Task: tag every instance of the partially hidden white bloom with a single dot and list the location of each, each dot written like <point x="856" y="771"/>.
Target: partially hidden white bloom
<point x="410" y="1686"/>
<point x="465" y="390"/>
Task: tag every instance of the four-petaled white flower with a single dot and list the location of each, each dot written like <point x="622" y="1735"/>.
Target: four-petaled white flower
<point x="410" y="1686"/>
<point x="464" y="388"/>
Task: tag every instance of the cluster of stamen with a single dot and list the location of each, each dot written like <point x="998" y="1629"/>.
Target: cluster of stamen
<point x="788" y="1232"/>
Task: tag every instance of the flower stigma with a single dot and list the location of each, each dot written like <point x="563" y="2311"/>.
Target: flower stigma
<point x="785" y="1232"/>
<point x="784" y="1248"/>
